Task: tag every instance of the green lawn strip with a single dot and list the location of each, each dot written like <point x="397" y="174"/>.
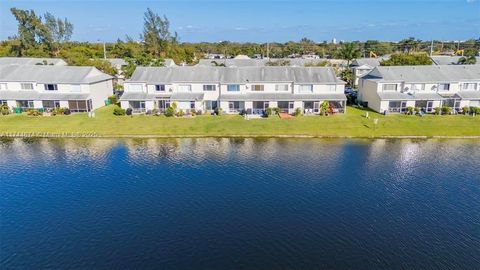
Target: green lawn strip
<point x="351" y="124"/>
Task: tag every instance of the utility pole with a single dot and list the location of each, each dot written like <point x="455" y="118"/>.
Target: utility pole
<point x="268" y="51"/>
<point x="431" y="49"/>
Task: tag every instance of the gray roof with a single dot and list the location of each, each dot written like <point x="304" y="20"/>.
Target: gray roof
<point x="187" y="96"/>
<point x="282" y="96"/>
<point x="448" y="60"/>
<point x="34" y="95"/>
<point x="425" y="74"/>
<point x="51" y="74"/>
<point x="293" y="62"/>
<point x="405" y="96"/>
<point x="31" y="61"/>
<point x="203" y="74"/>
<point x="117" y="62"/>
<point x="372" y="62"/>
<point x="469" y="94"/>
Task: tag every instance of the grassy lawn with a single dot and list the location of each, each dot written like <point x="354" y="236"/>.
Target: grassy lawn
<point x="352" y="124"/>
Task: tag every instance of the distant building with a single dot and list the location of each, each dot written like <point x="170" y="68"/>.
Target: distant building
<point x="334" y="41"/>
<point x="32" y="61"/>
<point x="394" y="88"/>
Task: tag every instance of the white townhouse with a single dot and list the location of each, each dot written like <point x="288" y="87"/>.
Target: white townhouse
<point x="80" y="89"/>
<point x="362" y="66"/>
<point x="394" y="88"/>
<point x="233" y="89"/>
<point x="30" y="61"/>
<point x="254" y="89"/>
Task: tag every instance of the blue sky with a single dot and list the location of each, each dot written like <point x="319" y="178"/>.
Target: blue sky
<point x="263" y="20"/>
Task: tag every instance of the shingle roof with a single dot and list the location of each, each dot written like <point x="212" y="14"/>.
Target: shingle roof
<point x="405" y="96"/>
<point x="282" y="96"/>
<point x="425" y="74"/>
<point x="34" y="95"/>
<point x="51" y="74"/>
<point x="31" y="61"/>
<point x="310" y="75"/>
<point x="469" y="94"/>
<point x="293" y="62"/>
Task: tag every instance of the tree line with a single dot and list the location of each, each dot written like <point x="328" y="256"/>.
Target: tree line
<point x="48" y="36"/>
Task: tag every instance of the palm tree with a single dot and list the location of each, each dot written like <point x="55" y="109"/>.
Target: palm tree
<point x="471" y="60"/>
<point x="349" y="51"/>
<point x="324" y="108"/>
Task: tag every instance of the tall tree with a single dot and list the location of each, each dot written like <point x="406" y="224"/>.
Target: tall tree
<point x="29" y="26"/>
<point x="156" y="33"/>
<point x="58" y="31"/>
<point x="349" y="51"/>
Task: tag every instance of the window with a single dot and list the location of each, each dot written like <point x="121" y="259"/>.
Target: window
<point x="306" y="88"/>
<point x="192" y="104"/>
<point x="26" y="86"/>
<point x="184" y="88"/>
<point x="233" y="88"/>
<point x="258" y="87"/>
<point x="3" y="102"/>
<point x="444" y="87"/>
<point x="160" y="87"/>
<point x="331" y="87"/>
<point x="236" y="106"/>
<point x="418" y="87"/>
<point x="389" y="87"/>
<point x="51" y="104"/>
<point x="3" y="86"/>
<point x="469" y="86"/>
<point x="281" y="87"/>
<point x="135" y="87"/>
<point x="211" y="105"/>
<point x="137" y="105"/>
<point x="209" y="87"/>
<point x="51" y="87"/>
<point x="25" y="103"/>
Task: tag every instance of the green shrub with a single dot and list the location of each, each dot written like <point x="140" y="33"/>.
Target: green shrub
<point x="193" y="112"/>
<point x="180" y="113"/>
<point x="474" y="110"/>
<point x="169" y="112"/>
<point x="410" y="110"/>
<point x="465" y="109"/>
<point x="446" y="110"/>
<point x="218" y="111"/>
<point x="4" y="110"/>
<point x="297" y="112"/>
<point x="118" y="111"/>
<point x="33" y="112"/>
<point x="276" y="110"/>
<point x="417" y="110"/>
<point x="113" y="99"/>
<point x="324" y="108"/>
<point x="436" y="110"/>
<point x="268" y="111"/>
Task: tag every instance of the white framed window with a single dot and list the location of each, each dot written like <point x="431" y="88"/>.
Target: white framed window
<point x="135" y="87"/>
<point x="418" y="87"/>
<point x="443" y="87"/>
<point x="3" y="102"/>
<point x="26" y="86"/>
<point x="51" y="87"/>
<point x="160" y="87"/>
<point x="184" y="88"/>
<point x="389" y="87"/>
<point x="209" y="87"/>
<point x="25" y="103"/>
<point x="281" y="87"/>
<point x="469" y="86"/>
<point x="305" y="88"/>
<point x="3" y="86"/>
<point x="192" y="104"/>
<point x="258" y="87"/>
<point x="233" y="88"/>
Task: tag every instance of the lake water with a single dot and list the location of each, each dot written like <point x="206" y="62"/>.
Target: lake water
<point x="239" y="204"/>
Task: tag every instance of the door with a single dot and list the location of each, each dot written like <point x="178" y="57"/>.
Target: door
<point x="429" y="106"/>
<point x="291" y="107"/>
<point x="403" y="106"/>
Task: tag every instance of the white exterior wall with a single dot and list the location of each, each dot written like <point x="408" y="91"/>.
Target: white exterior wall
<point x="99" y="92"/>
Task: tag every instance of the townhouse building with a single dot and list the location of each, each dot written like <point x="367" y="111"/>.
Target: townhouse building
<point x="81" y="89"/>
<point x="392" y="89"/>
<point x="233" y="89"/>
